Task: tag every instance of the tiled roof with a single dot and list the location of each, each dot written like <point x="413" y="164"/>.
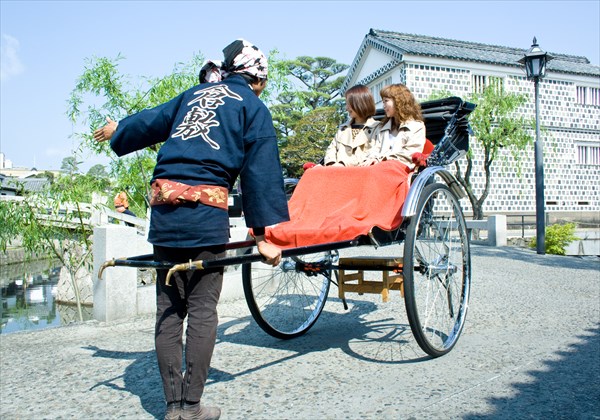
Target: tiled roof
<point x="474" y="52"/>
<point x="26" y="184"/>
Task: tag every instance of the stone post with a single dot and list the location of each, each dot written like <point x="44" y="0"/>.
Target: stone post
<point x="115" y="295"/>
<point x="99" y="217"/>
<point x="497" y="235"/>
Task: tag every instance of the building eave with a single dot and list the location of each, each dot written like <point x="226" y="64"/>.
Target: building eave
<point x="398" y="45"/>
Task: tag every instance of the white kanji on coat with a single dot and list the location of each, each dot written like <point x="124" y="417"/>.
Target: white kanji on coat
<point x="200" y="118"/>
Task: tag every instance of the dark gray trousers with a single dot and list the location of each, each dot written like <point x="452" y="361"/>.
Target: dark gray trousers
<point x="194" y="294"/>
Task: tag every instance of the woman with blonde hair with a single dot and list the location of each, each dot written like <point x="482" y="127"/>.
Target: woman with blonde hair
<point x="351" y="143"/>
<point x="402" y="132"/>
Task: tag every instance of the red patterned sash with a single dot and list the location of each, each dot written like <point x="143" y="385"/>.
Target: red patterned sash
<point x="176" y="193"/>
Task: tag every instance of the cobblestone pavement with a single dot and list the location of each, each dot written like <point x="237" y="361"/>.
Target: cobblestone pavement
<point x="530" y="349"/>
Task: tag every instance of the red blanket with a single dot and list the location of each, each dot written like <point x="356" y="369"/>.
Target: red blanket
<point x="336" y="203"/>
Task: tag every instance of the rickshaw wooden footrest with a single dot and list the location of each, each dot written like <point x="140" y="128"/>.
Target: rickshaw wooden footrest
<point x="351" y="276"/>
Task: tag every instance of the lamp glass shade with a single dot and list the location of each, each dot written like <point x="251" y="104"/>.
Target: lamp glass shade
<point x="535" y="66"/>
<point x="535" y="61"/>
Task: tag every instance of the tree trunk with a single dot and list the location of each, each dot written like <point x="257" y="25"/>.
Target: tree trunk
<point x="77" y="294"/>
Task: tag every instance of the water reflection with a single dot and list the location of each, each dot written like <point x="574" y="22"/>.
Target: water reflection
<point x="28" y="291"/>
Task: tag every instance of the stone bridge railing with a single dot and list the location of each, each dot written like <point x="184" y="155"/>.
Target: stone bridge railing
<point x="71" y="215"/>
<point x="119" y="293"/>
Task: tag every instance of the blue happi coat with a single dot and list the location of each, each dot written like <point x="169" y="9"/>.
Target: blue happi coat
<point x="213" y="132"/>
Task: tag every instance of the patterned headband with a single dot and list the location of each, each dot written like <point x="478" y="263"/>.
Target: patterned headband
<point x="211" y="71"/>
<point x="243" y="57"/>
<point x="239" y="57"/>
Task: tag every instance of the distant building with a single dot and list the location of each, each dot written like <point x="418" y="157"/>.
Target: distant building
<point x="19" y="186"/>
<point x="8" y="170"/>
<point x="569" y="111"/>
<point x="20" y="172"/>
<point x="4" y="163"/>
<point x="18" y="181"/>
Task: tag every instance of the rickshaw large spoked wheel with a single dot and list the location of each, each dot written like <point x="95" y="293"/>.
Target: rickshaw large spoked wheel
<point x="437" y="270"/>
<point x="286" y="301"/>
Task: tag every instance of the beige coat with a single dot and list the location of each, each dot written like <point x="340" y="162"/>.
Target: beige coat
<point x="347" y="150"/>
<point x="410" y="140"/>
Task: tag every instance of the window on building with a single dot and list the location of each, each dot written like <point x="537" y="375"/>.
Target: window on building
<point x="588" y="95"/>
<point x="377" y="88"/>
<point x="375" y="91"/>
<point x="588" y="154"/>
<point x="479" y="82"/>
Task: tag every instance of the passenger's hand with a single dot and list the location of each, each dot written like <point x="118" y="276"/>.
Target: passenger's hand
<point x="106" y="132"/>
<point x="270" y="252"/>
<point x="368" y="162"/>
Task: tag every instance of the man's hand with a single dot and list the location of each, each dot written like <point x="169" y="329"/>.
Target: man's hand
<point x="270" y="252"/>
<point x="106" y="132"/>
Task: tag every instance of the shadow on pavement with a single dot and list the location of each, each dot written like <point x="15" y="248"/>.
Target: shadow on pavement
<point x="140" y="378"/>
<point x="349" y="331"/>
<point x="567" y="388"/>
<point x="364" y="332"/>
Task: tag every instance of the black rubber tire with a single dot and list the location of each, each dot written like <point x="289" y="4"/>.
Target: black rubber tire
<point x="286" y="301"/>
<point x="437" y="270"/>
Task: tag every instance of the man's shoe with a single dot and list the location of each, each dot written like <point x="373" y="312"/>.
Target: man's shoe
<point x="173" y="411"/>
<point x="199" y="412"/>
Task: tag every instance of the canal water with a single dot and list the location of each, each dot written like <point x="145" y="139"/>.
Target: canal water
<point x="28" y="292"/>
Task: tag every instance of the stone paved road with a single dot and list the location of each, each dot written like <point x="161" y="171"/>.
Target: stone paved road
<point x="531" y="349"/>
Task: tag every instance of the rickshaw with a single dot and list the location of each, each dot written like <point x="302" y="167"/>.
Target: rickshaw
<point x="432" y="272"/>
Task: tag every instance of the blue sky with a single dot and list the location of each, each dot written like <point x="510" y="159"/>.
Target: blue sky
<point x="45" y="44"/>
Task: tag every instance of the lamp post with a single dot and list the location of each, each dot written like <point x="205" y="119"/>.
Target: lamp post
<point x="535" y="65"/>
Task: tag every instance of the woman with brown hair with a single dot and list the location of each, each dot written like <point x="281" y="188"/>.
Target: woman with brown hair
<point x="362" y="196"/>
<point x="351" y="143"/>
<point x="402" y="132"/>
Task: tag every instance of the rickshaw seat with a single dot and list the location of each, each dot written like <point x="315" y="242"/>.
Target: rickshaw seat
<point x="364" y="198"/>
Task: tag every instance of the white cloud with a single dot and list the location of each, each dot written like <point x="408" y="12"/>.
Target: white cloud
<point x="9" y="58"/>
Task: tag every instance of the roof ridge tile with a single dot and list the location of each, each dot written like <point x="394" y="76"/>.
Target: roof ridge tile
<point x="470" y="44"/>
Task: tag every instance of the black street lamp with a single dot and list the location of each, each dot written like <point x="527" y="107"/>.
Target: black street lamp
<point x="535" y="64"/>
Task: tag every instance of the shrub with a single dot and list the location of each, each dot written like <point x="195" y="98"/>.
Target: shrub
<point x="558" y="237"/>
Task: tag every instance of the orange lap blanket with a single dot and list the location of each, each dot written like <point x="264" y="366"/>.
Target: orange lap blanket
<point x="335" y="203"/>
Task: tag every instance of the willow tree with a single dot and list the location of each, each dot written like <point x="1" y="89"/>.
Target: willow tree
<point x="103" y="91"/>
<point x="54" y="223"/>
<point x="497" y="126"/>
